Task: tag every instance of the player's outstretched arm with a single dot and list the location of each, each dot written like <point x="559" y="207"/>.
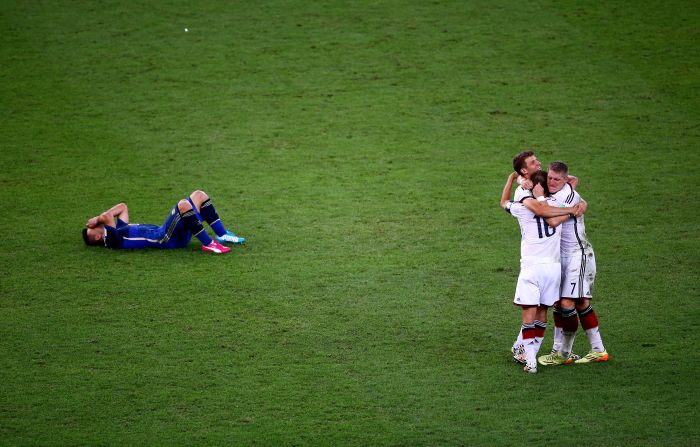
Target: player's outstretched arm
<point x="505" y="195"/>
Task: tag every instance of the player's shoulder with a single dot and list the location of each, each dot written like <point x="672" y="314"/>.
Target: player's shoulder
<point x="518" y="207"/>
<point x="113" y="237"/>
<point x="566" y="196"/>
<point x="521" y="193"/>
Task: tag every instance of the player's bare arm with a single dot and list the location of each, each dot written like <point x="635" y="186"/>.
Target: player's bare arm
<point x="526" y="183"/>
<point x="107" y="219"/>
<point x="543" y="210"/>
<point x="576" y="212"/>
<point x="554" y="222"/>
<point x="505" y="195"/>
<point x="572" y="180"/>
<point x="119" y="210"/>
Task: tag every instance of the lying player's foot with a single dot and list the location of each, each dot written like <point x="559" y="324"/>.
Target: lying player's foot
<point x="594" y="357"/>
<point x="555" y="359"/>
<point x="230" y="238"/>
<point x="215" y="247"/>
<point x="518" y="354"/>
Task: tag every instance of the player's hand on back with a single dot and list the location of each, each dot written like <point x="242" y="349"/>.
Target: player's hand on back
<point x="538" y="190"/>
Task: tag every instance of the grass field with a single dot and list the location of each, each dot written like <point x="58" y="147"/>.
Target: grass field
<point x="361" y="148"/>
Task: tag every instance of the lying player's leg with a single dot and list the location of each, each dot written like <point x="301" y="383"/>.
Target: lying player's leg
<point x="206" y="209"/>
<point x="194" y="225"/>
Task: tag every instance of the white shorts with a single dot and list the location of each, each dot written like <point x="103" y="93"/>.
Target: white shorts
<point x="538" y="284"/>
<point x="577" y="276"/>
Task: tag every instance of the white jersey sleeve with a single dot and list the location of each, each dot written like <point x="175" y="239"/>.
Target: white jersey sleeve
<point x="521" y="193"/>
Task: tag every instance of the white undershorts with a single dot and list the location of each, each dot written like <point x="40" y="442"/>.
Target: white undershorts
<point x="577" y="276"/>
<point x="538" y="284"/>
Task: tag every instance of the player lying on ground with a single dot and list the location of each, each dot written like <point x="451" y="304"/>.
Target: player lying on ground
<point x="540" y="269"/>
<point x="578" y="271"/>
<point x="113" y="230"/>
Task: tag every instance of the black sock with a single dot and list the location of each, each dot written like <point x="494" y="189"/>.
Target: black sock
<point x="192" y="223"/>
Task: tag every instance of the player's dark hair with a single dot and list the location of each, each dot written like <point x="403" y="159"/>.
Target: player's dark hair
<point x="519" y="161"/>
<point x="86" y="239"/>
<point x="540" y="178"/>
<point x="559" y="167"/>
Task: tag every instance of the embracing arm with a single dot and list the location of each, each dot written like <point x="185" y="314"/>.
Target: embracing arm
<point x="577" y="211"/>
<point x="526" y="183"/>
<point x="573" y="181"/>
<point x="543" y="210"/>
<point x="556" y="221"/>
<point x="505" y="195"/>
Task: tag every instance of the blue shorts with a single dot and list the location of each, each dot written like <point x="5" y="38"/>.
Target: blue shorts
<point x="173" y="232"/>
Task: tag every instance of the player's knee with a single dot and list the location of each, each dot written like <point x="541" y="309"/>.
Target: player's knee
<point x="183" y="206"/>
<point x="582" y="304"/>
<point x="199" y="196"/>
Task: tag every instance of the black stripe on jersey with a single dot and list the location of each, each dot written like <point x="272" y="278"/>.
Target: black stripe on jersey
<point x="582" y="271"/>
<point x="570" y="198"/>
<point x="581" y="275"/>
<point x="578" y="238"/>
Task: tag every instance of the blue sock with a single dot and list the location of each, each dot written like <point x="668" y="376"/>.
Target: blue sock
<point x="210" y="215"/>
<point x="192" y="223"/>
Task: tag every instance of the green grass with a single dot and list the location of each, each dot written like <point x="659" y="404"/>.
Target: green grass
<point x="361" y="148"/>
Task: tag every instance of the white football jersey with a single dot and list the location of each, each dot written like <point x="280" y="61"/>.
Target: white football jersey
<point x="521" y="193"/>
<point x="573" y="231"/>
<point x="540" y="242"/>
